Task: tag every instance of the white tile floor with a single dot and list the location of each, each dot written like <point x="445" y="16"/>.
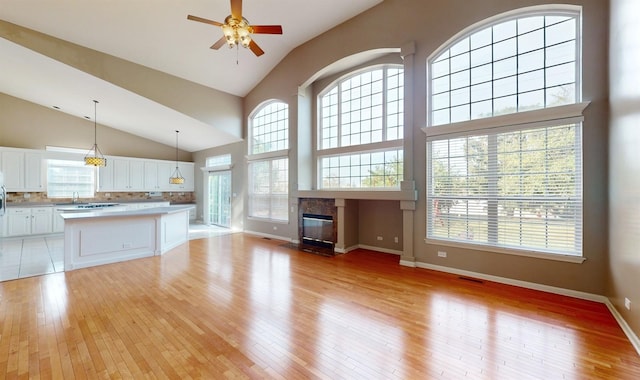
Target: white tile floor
<point x="34" y="256"/>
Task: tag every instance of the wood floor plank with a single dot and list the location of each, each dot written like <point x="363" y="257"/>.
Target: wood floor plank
<point x="242" y="307"/>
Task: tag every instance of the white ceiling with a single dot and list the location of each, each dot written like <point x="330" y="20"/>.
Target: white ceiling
<point x="156" y="34"/>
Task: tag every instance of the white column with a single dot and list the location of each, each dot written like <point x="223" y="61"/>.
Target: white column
<point x="340" y="245"/>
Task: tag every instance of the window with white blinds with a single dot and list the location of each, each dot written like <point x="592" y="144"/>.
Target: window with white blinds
<point x="504" y="141"/>
<point x="517" y="189"/>
<point x="66" y="177"/>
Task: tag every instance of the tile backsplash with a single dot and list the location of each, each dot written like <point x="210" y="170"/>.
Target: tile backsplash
<point x="173" y="197"/>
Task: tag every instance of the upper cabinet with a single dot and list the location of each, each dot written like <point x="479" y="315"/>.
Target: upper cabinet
<point x="23" y="170"/>
<point x="156" y="175"/>
<point x="128" y="175"/>
<point x="135" y="174"/>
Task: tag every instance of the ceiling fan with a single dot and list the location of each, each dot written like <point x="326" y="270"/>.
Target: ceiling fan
<point x="237" y="30"/>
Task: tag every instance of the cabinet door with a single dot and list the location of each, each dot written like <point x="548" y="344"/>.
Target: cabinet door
<point x="136" y="175"/>
<point x="121" y="175"/>
<point x="13" y="169"/>
<point x="186" y="169"/>
<point x="150" y="176"/>
<point x="105" y="177"/>
<point x="41" y="220"/>
<point x="18" y="221"/>
<point x="33" y="176"/>
<point x="164" y="172"/>
<point x="57" y="222"/>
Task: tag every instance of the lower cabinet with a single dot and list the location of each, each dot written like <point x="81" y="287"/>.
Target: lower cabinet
<point x="58" y="222"/>
<point x="29" y="221"/>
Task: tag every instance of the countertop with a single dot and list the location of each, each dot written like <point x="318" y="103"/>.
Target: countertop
<point x="105" y="213"/>
<point x="53" y="204"/>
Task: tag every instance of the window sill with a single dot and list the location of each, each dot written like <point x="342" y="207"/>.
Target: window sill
<point x="514" y="252"/>
<point x="390" y="195"/>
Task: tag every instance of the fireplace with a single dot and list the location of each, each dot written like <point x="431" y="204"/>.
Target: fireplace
<point x="317" y="230"/>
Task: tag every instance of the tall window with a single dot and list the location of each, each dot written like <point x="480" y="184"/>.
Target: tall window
<point x="360" y="130"/>
<point x="514" y="182"/>
<point x="269" y="162"/>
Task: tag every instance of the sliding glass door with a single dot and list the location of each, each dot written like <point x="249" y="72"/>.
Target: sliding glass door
<point x="218" y="205"/>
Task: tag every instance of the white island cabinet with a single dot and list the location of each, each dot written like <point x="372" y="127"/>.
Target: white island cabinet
<point x="103" y="237"/>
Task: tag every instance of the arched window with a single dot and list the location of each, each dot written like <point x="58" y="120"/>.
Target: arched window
<point x="269" y="162"/>
<point x="504" y="146"/>
<point x="360" y="130"/>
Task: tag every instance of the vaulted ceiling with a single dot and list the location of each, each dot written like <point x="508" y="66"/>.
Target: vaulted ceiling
<point x="155" y="34"/>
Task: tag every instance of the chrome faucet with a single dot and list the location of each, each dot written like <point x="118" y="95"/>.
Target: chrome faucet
<point x="75" y="197"/>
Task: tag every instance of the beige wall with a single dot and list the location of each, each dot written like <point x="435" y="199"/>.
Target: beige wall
<point x="624" y="161"/>
<point x="28" y="125"/>
<point x="381" y="218"/>
<point x="393" y="24"/>
<point x="238" y="180"/>
<point x="210" y="106"/>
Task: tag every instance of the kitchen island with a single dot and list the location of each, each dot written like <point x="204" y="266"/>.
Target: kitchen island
<point x="102" y="237"/>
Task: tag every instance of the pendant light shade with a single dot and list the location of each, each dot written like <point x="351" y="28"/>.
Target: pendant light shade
<point x="176" y="178"/>
<point x="94" y="157"/>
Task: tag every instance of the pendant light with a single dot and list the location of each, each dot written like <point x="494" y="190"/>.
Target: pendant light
<point x="176" y="178"/>
<point x="98" y="158"/>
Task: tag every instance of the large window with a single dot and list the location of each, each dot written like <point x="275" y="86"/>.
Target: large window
<point x="504" y="145"/>
<point x="360" y="130"/>
<point x="269" y="162"/>
<point x="515" y="65"/>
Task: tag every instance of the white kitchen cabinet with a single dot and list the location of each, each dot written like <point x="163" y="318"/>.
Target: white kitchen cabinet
<point x="156" y="175"/>
<point x="105" y="176"/>
<point x="57" y="222"/>
<point x="23" y="170"/>
<point x="128" y="175"/>
<point x="29" y="221"/>
<point x="34" y="172"/>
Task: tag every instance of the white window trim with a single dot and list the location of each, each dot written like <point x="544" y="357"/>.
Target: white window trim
<point x="569" y="10"/>
<point x="566" y="113"/>
<point x="570" y="113"/>
<point x="516" y="252"/>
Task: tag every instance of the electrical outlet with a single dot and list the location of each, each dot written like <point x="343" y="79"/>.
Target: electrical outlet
<point x="442" y="254"/>
<point x="395" y="239"/>
<point x="627" y="303"/>
<point x="27" y="195"/>
<point x="275" y="228"/>
<point x="379" y="237"/>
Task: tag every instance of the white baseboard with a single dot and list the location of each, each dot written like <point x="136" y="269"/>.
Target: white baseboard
<point x="378" y="249"/>
<point x="407" y="263"/>
<point x="624" y="325"/>
<point x="270" y="236"/>
<point x="633" y="338"/>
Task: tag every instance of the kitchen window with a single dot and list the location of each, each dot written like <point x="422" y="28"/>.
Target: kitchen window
<point x="66" y="177"/>
<point x="504" y="141"/>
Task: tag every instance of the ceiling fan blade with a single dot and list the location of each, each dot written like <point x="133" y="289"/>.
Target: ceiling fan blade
<point x="255" y="48"/>
<point x="219" y="43"/>
<point x="206" y="21"/>
<point x="267" y="29"/>
<point x="236" y="9"/>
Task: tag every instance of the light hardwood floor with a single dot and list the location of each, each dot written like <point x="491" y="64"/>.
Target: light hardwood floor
<point x="238" y="306"/>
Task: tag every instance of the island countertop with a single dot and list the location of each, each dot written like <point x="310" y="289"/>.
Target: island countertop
<point x="106" y="213"/>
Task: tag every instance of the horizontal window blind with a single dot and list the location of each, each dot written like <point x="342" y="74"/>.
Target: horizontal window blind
<point x="517" y="189"/>
<point x="66" y="177"/>
<point x="269" y="189"/>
